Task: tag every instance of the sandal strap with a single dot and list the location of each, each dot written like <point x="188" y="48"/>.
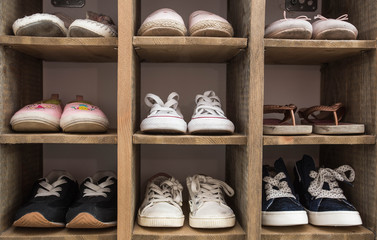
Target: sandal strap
<point x="337" y="111"/>
<point x="288" y="110"/>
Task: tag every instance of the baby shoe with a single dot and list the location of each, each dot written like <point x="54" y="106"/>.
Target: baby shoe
<point x="280" y="207"/>
<point x="95" y="25"/>
<point x="208" y="116"/>
<point x="162" y="203"/>
<point x="97" y="204"/>
<point x="163" y="22"/>
<point x="43" y="116"/>
<point x="42" y="25"/>
<point x="208" y="208"/>
<point x="207" y="24"/>
<point x="81" y="116"/>
<point x="50" y="198"/>
<point x="290" y="28"/>
<point x="321" y="195"/>
<point x="334" y="29"/>
<point x="163" y="117"/>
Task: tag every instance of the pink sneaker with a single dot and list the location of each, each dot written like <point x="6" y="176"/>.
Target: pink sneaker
<point x="163" y="22"/>
<point x="80" y="116"/>
<point x="207" y="24"/>
<point x="42" y="116"/>
<point x="334" y="29"/>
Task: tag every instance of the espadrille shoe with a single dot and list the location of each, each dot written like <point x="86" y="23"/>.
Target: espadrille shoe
<point x="43" y="116"/>
<point x="163" y="22"/>
<point x="334" y="29"/>
<point x="42" y="25"/>
<point x="207" y="24"/>
<point x="95" y="25"/>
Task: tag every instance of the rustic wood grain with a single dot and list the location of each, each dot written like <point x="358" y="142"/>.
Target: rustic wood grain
<point x="319" y="139"/>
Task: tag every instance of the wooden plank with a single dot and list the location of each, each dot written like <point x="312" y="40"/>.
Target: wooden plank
<point x="59" y="234"/>
<point x="287" y="51"/>
<point x="65" y="49"/>
<point x="310" y="232"/>
<point x="110" y="137"/>
<point x="319" y="139"/>
<point x="188" y="49"/>
<point x="235" y="139"/>
<point x="188" y="233"/>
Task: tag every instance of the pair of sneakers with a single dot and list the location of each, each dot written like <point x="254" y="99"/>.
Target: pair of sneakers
<point x="61" y="25"/>
<point x="166" y="117"/>
<point x="323" y="28"/>
<point x="163" y="200"/>
<point x="320" y="201"/>
<point x="47" y="116"/>
<point x="167" y="22"/>
<point x="57" y="201"/>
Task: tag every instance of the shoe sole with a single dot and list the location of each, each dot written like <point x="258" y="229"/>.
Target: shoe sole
<point x="163" y="27"/>
<point x="212" y="222"/>
<point x="33" y="125"/>
<point x="284" y="218"/>
<point x="86" y="127"/>
<point x="86" y="220"/>
<point x="160" y="222"/>
<point x="163" y="125"/>
<point x="336" y="34"/>
<point x="293" y="33"/>
<point x="211" y="28"/>
<point x="335" y="218"/>
<point x="287" y="129"/>
<point x="210" y="126"/>
<point x="90" y="28"/>
<point x="35" y="219"/>
<point x="343" y="128"/>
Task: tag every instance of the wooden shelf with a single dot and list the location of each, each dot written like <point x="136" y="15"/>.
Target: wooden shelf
<point x="318" y="139"/>
<point x="235" y="139"/>
<point x="309" y="232"/>
<point x="65" y="49"/>
<point x="188" y="49"/>
<point x="287" y="51"/>
<point x="58" y="234"/>
<point x="188" y="233"/>
<point x="96" y="138"/>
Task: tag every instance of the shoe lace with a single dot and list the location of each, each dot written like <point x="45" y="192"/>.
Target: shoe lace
<point x="208" y="104"/>
<point x="275" y="188"/>
<point x="344" y="17"/>
<point x="330" y="176"/>
<point x="94" y="190"/>
<point x="302" y="17"/>
<point x="169" y="190"/>
<point x="158" y="106"/>
<point x="47" y="189"/>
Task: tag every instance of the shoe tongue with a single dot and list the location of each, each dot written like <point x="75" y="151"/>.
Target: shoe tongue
<point x="104" y="179"/>
<point x="308" y="163"/>
<point x="280" y="166"/>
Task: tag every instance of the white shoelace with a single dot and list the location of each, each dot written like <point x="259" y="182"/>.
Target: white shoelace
<point x="50" y="189"/>
<point x="169" y="191"/>
<point x="94" y="190"/>
<point x="302" y="17"/>
<point x="330" y="176"/>
<point x="283" y="190"/>
<point x="208" y="104"/>
<point x="159" y="107"/>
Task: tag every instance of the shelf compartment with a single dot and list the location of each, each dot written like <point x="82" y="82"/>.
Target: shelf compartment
<point x="65" y="48"/>
<point x="187" y="233"/>
<point x="319" y="139"/>
<point x="309" y="232"/>
<point x="306" y="52"/>
<point x="188" y="49"/>
<point x="58" y="234"/>
<point x="94" y="138"/>
<point x="235" y="139"/>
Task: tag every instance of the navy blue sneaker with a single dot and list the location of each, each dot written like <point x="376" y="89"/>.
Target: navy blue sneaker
<point x="280" y="206"/>
<point x="321" y="195"/>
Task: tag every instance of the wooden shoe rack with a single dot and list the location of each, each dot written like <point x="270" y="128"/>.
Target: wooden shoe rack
<point x="349" y="75"/>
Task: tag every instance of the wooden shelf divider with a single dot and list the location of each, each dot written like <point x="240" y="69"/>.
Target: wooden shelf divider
<point x="318" y="139"/>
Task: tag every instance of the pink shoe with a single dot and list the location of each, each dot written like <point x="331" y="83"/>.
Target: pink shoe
<point x="163" y="22"/>
<point x="42" y="116"/>
<point x="334" y="29"/>
<point x="290" y="28"/>
<point x="207" y="24"/>
<point x="80" y="116"/>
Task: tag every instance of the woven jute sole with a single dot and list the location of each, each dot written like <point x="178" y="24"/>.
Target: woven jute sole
<point x="162" y="28"/>
<point x="86" y="220"/>
<point x="35" y="219"/>
<point x="211" y="28"/>
<point x="293" y="33"/>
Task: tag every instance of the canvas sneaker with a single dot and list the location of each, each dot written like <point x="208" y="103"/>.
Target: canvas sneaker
<point x="208" y="208"/>
<point x="208" y="116"/>
<point x="321" y="195"/>
<point x="95" y="25"/>
<point x="97" y="204"/>
<point x="50" y="198"/>
<point x="280" y="206"/>
<point x="163" y="117"/>
<point x="162" y="203"/>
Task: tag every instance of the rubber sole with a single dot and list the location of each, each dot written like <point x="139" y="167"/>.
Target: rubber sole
<point x="163" y="125"/>
<point x="339" y="129"/>
<point x="34" y="126"/>
<point x="160" y="222"/>
<point x="293" y="33"/>
<point x="212" y="222"/>
<point x="36" y="219"/>
<point x="86" y="220"/>
<point x="210" y="126"/>
<point x="211" y="28"/>
<point x="43" y="28"/>
<point x="163" y="27"/>
<point x="287" y="129"/>
<point x="336" y="34"/>
<point x="84" y="127"/>
<point x="81" y="32"/>
<point x="284" y="218"/>
<point x="335" y="218"/>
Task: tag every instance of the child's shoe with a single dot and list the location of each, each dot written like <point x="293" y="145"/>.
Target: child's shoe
<point x="95" y="25"/>
<point x="207" y="24"/>
<point x="334" y="29"/>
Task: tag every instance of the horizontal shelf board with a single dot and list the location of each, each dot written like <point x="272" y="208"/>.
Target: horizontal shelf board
<point x="188" y="233"/>
<point x="287" y="51"/>
<point x="110" y="137"/>
<point x="65" y="49"/>
<point x="235" y="139"/>
<point x="309" y="232"/>
<point x="188" y="49"/>
<point x="318" y="139"/>
<point x="58" y="234"/>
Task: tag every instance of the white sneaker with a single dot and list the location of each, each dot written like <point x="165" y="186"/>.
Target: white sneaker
<point x="208" y="208"/>
<point x="208" y="116"/>
<point x="163" y="117"/>
<point x="162" y="203"/>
